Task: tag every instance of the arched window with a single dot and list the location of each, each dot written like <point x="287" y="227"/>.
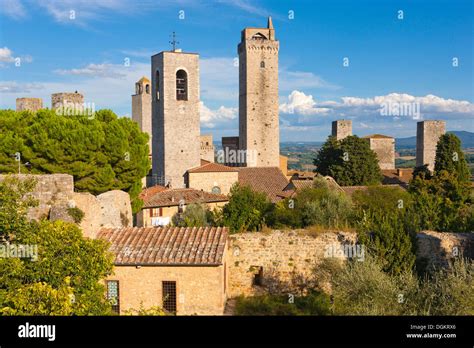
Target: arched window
<point x="137" y="88"/>
<point x="147" y="88"/>
<point x="181" y="85"/>
<point x="157" y="84"/>
<point x="216" y="190"/>
<point x="262" y="64"/>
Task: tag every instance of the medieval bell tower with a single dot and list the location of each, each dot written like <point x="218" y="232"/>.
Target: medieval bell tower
<point x="259" y="131"/>
<point x="175" y="116"/>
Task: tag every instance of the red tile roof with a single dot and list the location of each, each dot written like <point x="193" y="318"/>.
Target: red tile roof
<point x="150" y="191"/>
<point x="269" y="180"/>
<point x="172" y="197"/>
<point x="211" y="167"/>
<point x="166" y="246"/>
<point x="400" y="176"/>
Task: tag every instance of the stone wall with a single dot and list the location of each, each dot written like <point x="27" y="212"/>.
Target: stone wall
<point x="278" y="252"/>
<point x="31" y="104"/>
<point x="55" y="195"/>
<point x="435" y="249"/>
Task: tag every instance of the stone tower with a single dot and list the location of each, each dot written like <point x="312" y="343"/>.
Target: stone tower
<point x="427" y="136"/>
<point x="341" y="129"/>
<point x="259" y="133"/>
<point x="31" y="104"/>
<point x="175" y="116"/>
<point x="71" y="100"/>
<point x="384" y="148"/>
<point x="141" y="106"/>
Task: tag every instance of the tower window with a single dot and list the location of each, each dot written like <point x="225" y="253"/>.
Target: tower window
<point x="262" y="64"/>
<point x="137" y="88"/>
<point x="181" y="85"/>
<point x="157" y="84"/>
<point x="147" y="89"/>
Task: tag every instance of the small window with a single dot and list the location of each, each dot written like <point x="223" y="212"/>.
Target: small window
<point x="258" y="276"/>
<point x="169" y="296"/>
<point x="113" y="295"/>
<point x="216" y="190"/>
<point x="181" y="85"/>
<point x="156" y="212"/>
<point x="147" y="89"/>
<point x="157" y="84"/>
<point x="262" y="64"/>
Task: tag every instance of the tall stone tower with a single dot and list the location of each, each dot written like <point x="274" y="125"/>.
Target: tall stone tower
<point x="141" y="106"/>
<point x="341" y="129"/>
<point x="427" y="136"/>
<point x="259" y="132"/>
<point x="175" y="116"/>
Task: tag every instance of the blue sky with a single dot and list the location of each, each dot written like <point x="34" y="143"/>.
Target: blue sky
<point x="393" y="61"/>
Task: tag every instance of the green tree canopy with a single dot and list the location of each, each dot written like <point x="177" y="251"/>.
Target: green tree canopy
<point x="64" y="277"/>
<point x="246" y="209"/>
<point x="450" y="157"/>
<point x="349" y="161"/>
<point x="102" y="153"/>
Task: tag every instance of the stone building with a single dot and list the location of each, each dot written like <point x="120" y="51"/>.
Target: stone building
<point x="30" y="104"/>
<point x="141" y="107"/>
<point x="427" y="136"/>
<point x="160" y="204"/>
<point x="384" y="147"/>
<point x="73" y="101"/>
<point x="259" y="133"/>
<point x="176" y="119"/>
<point x="182" y="270"/>
<point x="213" y="177"/>
<point x="341" y="129"/>
<point x="207" y="148"/>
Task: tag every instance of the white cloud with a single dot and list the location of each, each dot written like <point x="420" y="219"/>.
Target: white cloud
<point x="212" y="118"/>
<point x="96" y="70"/>
<point x="301" y="104"/>
<point x="430" y="105"/>
<point x="13" y="9"/>
<point x="15" y="87"/>
<point x="6" y="55"/>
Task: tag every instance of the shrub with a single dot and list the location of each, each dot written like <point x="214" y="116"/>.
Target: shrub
<point x="76" y="214"/>
<point x="314" y="303"/>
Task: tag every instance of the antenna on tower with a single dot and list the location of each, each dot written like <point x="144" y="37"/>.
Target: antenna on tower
<point x="173" y="41"/>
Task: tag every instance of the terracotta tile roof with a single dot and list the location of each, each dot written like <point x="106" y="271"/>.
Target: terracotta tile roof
<point x="298" y="184"/>
<point x="269" y="180"/>
<point x="377" y="136"/>
<point x="166" y="246"/>
<point x="150" y="191"/>
<point x="211" y="167"/>
<point x="172" y="197"/>
<point x="399" y="176"/>
<point x="203" y="162"/>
